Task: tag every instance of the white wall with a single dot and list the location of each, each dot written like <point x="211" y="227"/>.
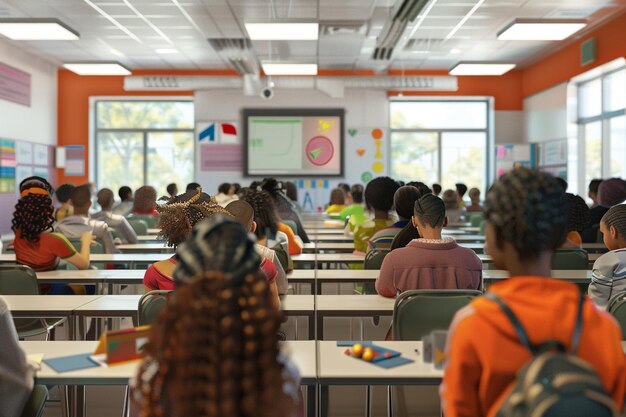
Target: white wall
<point x="37" y="123"/>
<point x="509" y="127"/>
<point x="545" y="115"/>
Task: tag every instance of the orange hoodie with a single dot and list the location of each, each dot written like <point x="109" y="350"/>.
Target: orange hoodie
<point x="484" y="352"/>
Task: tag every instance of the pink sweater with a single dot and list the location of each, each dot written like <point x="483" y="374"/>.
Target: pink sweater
<point x="426" y="265"/>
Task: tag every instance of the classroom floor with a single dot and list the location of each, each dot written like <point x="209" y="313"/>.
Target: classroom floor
<point x="345" y="401"/>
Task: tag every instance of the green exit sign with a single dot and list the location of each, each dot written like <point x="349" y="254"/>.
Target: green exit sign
<point x="588" y="52"/>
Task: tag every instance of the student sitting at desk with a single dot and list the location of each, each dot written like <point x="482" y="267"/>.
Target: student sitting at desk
<point x="410" y="232"/>
<point x="337" y="201"/>
<point x="35" y="244"/>
<point x="123" y="229"/>
<point x="145" y="201"/>
<point x="176" y="221"/>
<point x="75" y="225"/>
<point x="125" y="206"/>
<point x="356" y="208"/>
<point x="16" y="375"/>
<point x="286" y="209"/>
<point x="577" y="218"/>
<point x="213" y="351"/>
<point x="63" y="194"/>
<point x="525" y="224"/>
<point x="609" y="270"/>
<point x="403" y="200"/>
<point x="430" y="262"/>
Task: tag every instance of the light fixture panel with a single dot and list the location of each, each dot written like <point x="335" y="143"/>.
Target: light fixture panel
<point x="283" y="30"/>
<point x="481" y="68"/>
<point x="37" y="29"/>
<point x="540" y="29"/>
<point x="97" y="68"/>
<point x="287" y="68"/>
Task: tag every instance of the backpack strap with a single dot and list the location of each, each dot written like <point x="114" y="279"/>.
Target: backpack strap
<point x="521" y="333"/>
<point x="579" y="323"/>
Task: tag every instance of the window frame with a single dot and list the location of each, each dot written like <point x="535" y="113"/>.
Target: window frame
<point x="94" y="130"/>
<point x="488" y="131"/>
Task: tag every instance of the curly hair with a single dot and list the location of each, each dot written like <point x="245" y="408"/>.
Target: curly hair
<point x="33" y="213"/>
<point x="379" y="193"/>
<point x="145" y="198"/>
<point x="213" y="351"/>
<point x="616" y="217"/>
<point x="578" y="214"/>
<point x="181" y="213"/>
<point x="526" y="209"/>
<point x="265" y="211"/>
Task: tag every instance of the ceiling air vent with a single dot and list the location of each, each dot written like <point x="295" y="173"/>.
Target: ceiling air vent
<point x="394" y="28"/>
<point x="343" y="28"/>
<point x="236" y="52"/>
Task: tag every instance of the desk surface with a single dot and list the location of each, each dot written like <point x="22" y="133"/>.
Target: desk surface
<point x="339" y="304"/>
<point x="110" y="306"/>
<point x="109" y="257"/>
<point x="327" y="257"/>
<point x="92" y="275"/>
<point x="336" y="368"/>
<point x="46" y="305"/>
<point x="145" y="247"/>
<point x="302" y="353"/>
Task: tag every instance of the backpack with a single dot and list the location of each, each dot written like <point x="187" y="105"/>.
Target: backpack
<point x="554" y="383"/>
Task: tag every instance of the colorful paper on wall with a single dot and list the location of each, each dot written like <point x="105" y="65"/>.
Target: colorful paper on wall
<point x="75" y="160"/>
<point x="24" y="153"/>
<point x="40" y="156"/>
<point x="7" y="166"/>
<point x="221" y="157"/>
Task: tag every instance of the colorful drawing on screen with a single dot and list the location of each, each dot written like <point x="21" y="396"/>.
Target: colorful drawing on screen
<point x="319" y="150"/>
<point x="352" y="132"/>
<point x="360" y="152"/>
<point x="7" y="166"/>
<point x="325" y="125"/>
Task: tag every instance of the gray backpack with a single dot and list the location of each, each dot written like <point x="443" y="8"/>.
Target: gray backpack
<point x="554" y="383"/>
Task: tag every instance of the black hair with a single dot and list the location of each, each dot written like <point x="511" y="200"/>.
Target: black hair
<point x="345" y="187"/>
<point x="237" y="187"/>
<point x="64" y="192"/>
<point x="291" y="190"/>
<point x="616" y="217"/>
<point x="265" y="212"/>
<point x="424" y="189"/>
<point x="33" y="213"/>
<point x="357" y="193"/>
<point x="429" y="209"/>
<point x="461" y="189"/>
<point x="594" y="184"/>
<point x="192" y="186"/>
<point x="578" y="214"/>
<point x="171" y="189"/>
<point x="379" y="193"/>
<point x="224" y="188"/>
<point x="526" y="208"/>
<point x="124" y="191"/>
<point x="562" y="182"/>
<point x="436" y="189"/>
<point x="404" y="201"/>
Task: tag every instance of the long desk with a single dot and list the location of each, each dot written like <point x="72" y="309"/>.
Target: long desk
<point x="351" y="306"/>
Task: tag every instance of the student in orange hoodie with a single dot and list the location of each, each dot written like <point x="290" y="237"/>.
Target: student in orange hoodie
<point x="525" y="224"/>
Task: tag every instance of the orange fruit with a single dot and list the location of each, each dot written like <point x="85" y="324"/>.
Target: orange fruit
<point x="368" y="354"/>
<point x="357" y="350"/>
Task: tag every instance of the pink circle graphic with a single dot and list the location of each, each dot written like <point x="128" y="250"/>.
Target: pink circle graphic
<point x="319" y="150"/>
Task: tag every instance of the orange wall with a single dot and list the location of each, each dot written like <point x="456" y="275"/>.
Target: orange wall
<point x="565" y="63"/>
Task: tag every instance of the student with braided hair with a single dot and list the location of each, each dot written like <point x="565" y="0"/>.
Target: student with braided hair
<point x="410" y="232"/>
<point x="35" y="244"/>
<point x="525" y="224"/>
<point x="577" y="219"/>
<point x="213" y="351"/>
<point x="608" y="278"/>
<point x="430" y="262"/>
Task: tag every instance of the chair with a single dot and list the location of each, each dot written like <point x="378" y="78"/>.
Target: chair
<point x="151" y="221"/>
<point x="373" y="260"/>
<point x="96" y="246"/>
<point x="36" y="403"/>
<point x="570" y="259"/>
<point x="476" y="219"/>
<point x="139" y="226"/>
<point x="22" y="280"/>
<point x="617" y="308"/>
<point x="150" y="305"/>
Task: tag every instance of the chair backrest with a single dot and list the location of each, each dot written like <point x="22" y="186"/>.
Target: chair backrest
<point x="617" y="308"/>
<point x="150" y="305"/>
<point x="416" y="313"/>
<point x="18" y="280"/>
<point x="476" y="218"/>
<point x="114" y="233"/>
<point x="95" y="247"/>
<point x="292" y="225"/>
<point x="139" y="226"/>
<point x="374" y="258"/>
<point x="36" y="404"/>
<point x="151" y="221"/>
<point x="570" y="259"/>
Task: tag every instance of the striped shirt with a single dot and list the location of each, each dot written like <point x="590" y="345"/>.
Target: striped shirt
<point x="608" y="277"/>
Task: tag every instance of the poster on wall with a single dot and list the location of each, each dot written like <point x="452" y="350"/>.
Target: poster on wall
<point x="7" y="166"/>
<point x="24" y="153"/>
<point x="41" y="172"/>
<point x="220" y="158"/>
<point x="75" y="160"/>
<point x="226" y="133"/>
<point x="509" y="157"/>
<point x="15" y="85"/>
<point x="366" y="149"/>
<point x="553" y="157"/>
<point x="40" y="155"/>
<point x="23" y="171"/>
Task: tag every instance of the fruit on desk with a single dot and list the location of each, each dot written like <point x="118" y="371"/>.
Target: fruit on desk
<point x="368" y="354"/>
<point x="357" y="350"/>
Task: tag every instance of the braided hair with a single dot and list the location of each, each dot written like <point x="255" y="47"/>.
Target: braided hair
<point x="526" y="209"/>
<point x="578" y="214"/>
<point x="181" y="213"/>
<point x="265" y="211"/>
<point x="213" y="352"/>
<point x="379" y="193"/>
<point x="33" y="213"/>
<point x="616" y="217"/>
<point x="431" y="210"/>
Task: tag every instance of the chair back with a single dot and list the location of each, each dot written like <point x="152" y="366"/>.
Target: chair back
<point x="476" y="218"/>
<point x="570" y="259"/>
<point x="21" y="280"/>
<point x="36" y="404"/>
<point x="151" y="221"/>
<point x="374" y="258"/>
<point x="95" y="247"/>
<point x="150" y="306"/>
<point x="139" y="226"/>
<point x="416" y="313"/>
<point x="617" y="308"/>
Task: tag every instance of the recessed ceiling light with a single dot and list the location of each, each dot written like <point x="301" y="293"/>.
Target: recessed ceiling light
<point x="283" y="30"/>
<point x="284" y="68"/>
<point x="97" y="68"/>
<point x="540" y="29"/>
<point x="481" y="68"/>
<point x="166" y="51"/>
<point x="37" y="29"/>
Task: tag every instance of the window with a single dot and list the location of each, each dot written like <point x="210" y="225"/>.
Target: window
<point x="144" y="142"/>
<point x="440" y="141"/>
<point x="602" y="126"/>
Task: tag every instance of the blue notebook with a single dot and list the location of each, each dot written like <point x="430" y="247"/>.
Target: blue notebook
<point x="392" y="359"/>
<point x="72" y="363"/>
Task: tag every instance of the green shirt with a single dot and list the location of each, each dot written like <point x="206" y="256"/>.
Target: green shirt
<point x="351" y="210"/>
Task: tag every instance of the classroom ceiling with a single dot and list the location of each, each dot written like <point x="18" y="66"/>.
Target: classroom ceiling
<point x="131" y="31"/>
